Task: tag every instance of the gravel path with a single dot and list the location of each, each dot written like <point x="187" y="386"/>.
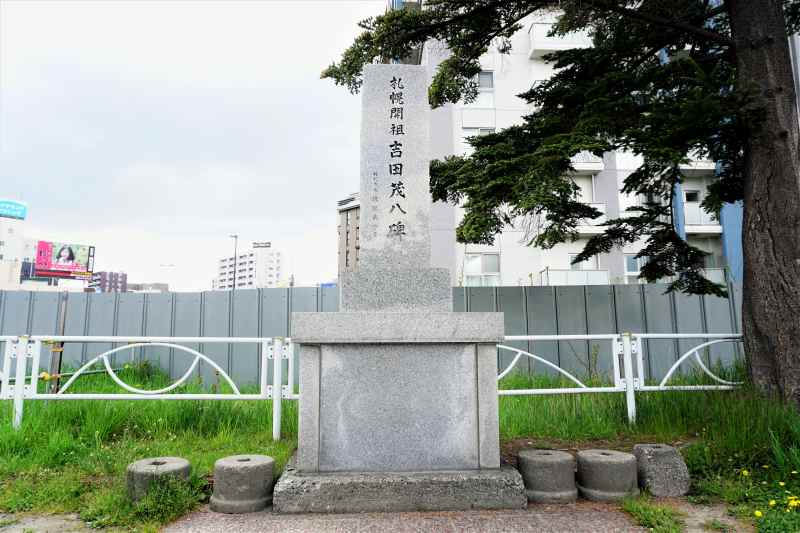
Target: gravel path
<point x="582" y="517"/>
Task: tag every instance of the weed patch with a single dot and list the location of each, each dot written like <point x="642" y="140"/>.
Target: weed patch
<point x="658" y="518"/>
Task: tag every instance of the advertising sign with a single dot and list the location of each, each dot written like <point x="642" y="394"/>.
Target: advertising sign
<point x="13" y="209"/>
<point x="64" y="260"/>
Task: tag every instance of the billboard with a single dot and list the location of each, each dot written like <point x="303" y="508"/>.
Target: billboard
<point x="64" y="260"/>
<point x="13" y="209"/>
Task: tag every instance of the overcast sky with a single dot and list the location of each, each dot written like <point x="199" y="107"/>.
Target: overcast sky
<point x="154" y="129"/>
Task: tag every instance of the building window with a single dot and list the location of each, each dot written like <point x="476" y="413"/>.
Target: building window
<point x="633" y="265"/>
<point x="482" y="270"/>
<point x="485" y="98"/>
<point x="588" y="264"/>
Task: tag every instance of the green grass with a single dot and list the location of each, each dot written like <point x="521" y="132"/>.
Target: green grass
<point x="657" y="518"/>
<point x="70" y="456"/>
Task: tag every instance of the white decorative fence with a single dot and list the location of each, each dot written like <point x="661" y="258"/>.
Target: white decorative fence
<point x="20" y="370"/>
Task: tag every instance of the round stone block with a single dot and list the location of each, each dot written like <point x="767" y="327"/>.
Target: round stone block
<point x="142" y="474"/>
<point x="549" y="476"/>
<point x="242" y="484"/>
<point x="606" y="475"/>
<point x="662" y="471"/>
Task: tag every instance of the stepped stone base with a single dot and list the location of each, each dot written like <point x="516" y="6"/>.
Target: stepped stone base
<point x="347" y="492"/>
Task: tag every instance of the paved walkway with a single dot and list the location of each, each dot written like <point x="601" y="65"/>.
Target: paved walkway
<point x="582" y="517"/>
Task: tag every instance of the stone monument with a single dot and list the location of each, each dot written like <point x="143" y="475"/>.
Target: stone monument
<point x="398" y="394"/>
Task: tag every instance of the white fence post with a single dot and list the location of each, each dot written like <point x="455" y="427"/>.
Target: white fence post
<point x="627" y="368"/>
<point x="263" y="388"/>
<point x="21" y="355"/>
<point x="277" y="379"/>
<point x="5" y="386"/>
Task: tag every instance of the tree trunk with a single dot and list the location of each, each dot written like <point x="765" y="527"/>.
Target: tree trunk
<point x="771" y="232"/>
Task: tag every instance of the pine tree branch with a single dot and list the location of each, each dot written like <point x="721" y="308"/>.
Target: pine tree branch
<point x="670" y="23"/>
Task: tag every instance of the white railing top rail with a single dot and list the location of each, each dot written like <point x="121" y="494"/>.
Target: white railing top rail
<point x="106" y="338"/>
<point x="596" y="336"/>
<point x="611" y="336"/>
<point x="688" y="335"/>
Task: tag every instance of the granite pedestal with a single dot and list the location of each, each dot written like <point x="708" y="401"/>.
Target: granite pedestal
<point x="396" y="401"/>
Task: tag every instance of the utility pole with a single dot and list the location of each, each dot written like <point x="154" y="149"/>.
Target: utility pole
<point x="235" y="238"/>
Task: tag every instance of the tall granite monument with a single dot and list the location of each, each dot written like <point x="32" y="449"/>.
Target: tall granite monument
<point x="398" y="394"/>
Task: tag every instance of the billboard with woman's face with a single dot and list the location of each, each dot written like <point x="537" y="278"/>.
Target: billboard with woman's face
<point x="64" y="260"/>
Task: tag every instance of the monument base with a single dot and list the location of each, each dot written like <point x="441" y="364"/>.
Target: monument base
<point x="359" y="492"/>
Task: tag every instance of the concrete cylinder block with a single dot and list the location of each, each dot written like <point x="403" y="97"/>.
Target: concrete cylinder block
<point x="141" y="475"/>
<point x="242" y="484"/>
<point x="662" y="471"/>
<point x="549" y="476"/>
<point x="606" y="475"/>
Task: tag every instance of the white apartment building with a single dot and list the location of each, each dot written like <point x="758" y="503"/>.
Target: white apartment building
<point x="260" y="267"/>
<point x="14" y="246"/>
<point x="510" y="261"/>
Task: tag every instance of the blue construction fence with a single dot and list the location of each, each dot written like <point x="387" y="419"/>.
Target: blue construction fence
<point x="267" y="313"/>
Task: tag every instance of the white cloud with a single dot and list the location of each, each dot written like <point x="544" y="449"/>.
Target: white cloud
<point x="154" y="129"/>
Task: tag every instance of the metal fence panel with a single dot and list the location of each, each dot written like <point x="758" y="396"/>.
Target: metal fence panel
<point x="542" y="320"/>
<point x="274" y="316"/>
<point x="16" y="310"/>
<point x="459" y="299"/>
<point x="245" y="357"/>
<point x="481" y="299"/>
<point x="719" y="320"/>
<point x="511" y="302"/>
<point x="329" y="297"/>
<point x="658" y="315"/>
<point x="689" y="319"/>
<point x="185" y="323"/>
<point x="601" y="318"/>
<point x="130" y="323"/>
<point x="158" y="323"/>
<point x="44" y="321"/>
<point x="102" y="310"/>
<point x="76" y="324"/>
<point x="216" y="323"/>
<point x="571" y="309"/>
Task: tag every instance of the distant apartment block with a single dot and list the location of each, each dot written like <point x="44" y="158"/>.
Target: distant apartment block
<point x="262" y="266"/>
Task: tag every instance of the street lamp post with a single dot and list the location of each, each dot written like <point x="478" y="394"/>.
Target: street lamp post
<point x="235" y="238"/>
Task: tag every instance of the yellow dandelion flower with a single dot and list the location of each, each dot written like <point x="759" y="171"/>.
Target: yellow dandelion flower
<point x="781" y="483"/>
<point x="794" y="503"/>
<point x="772" y="503"/>
<point x="44" y="376"/>
<point x="765" y="467"/>
<point x="758" y="514"/>
<point x="745" y="473"/>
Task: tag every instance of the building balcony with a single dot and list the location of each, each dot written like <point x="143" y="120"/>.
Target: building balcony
<point x="550" y="276"/>
<point x="698" y="222"/>
<point x="717" y="275"/>
<point x="592" y="226"/>
<point x="586" y="162"/>
<point x="542" y="43"/>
